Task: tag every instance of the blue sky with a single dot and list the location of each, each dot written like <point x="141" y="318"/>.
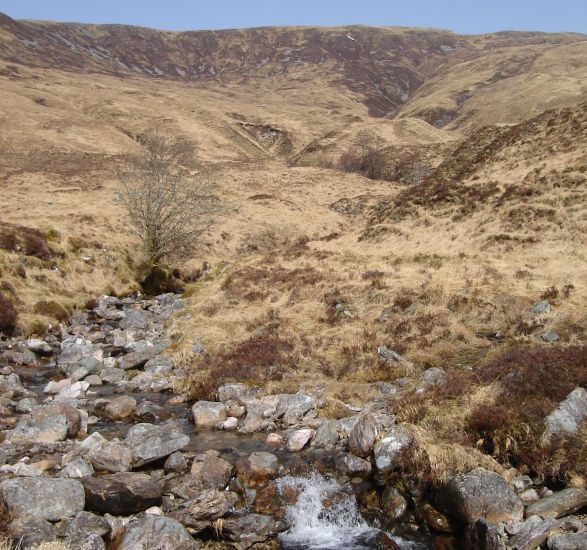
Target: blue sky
<point x="464" y="16"/>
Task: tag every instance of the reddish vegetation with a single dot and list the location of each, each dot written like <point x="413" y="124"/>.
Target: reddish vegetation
<point x="30" y="241"/>
<point x="8" y="315"/>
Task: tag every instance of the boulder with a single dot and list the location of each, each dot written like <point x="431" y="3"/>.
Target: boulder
<point x="484" y="536"/>
<point x="389" y="448"/>
<point x="28" y="532"/>
<point x="110" y="456"/>
<point x="208" y="414"/>
<point x="77" y="469"/>
<point x="119" y="408"/>
<point x="533" y="533"/>
<point x="557" y="505"/>
<point x="363" y="436"/>
<point x="137" y="359"/>
<point x="82" y="526"/>
<point x="52" y="499"/>
<point x="236" y="392"/>
<point x="567" y="417"/>
<point x="257" y="467"/>
<point x="38" y="347"/>
<point x="135" y="319"/>
<point x="393" y="503"/>
<point x="479" y="494"/>
<point x="121" y="494"/>
<point x="298" y="439"/>
<point x="150" y="442"/>
<point x="389" y="355"/>
<point x="350" y="465"/>
<point x="541" y="307"/>
<point x="291" y="408"/>
<point x="251" y="529"/>
<point x="568" y="541"/>
<point x="156" y="533"/>
<point x="207" y="506"/>
<point x="211" y="472"/>
<point x="326" y="434"/>
<point x="176" y="463"/>
<point x="47" y="424"/>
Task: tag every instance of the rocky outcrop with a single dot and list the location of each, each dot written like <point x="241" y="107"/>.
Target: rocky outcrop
<point x="480" y="494"/>
<point x="51" y="499"/>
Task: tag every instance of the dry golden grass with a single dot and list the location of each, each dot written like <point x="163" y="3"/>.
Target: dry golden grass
<point x="7" y="544"/>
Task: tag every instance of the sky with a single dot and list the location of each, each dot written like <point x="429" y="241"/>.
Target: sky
<point x="463" y="16"/>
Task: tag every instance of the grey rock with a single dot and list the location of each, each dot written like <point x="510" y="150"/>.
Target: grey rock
<point x="208" y="414"/>
<point x="298" y="439"/>
<point x="110" y="456"/>
<point x="485" y="536"/>
<point x="159" y="365"/>
<point x="176" y="463"/>
<point x="567" y="541"/>
<point x="121" y="494"/>
<point x="326" y="434"/>
<point x="38" y="347"/>
<point x="149" y="442"/>
<point x="208" y="505"/>
<point x="540" y="307"/>
<point x="82" y="526"/>
<point x="251" y="529"/>
<point x="566" y="419"/>
<point x="138" y="359"/>
<point x="389" y="355"/>
<point x="479" y="494"/>
<point x="291" y="408"/>
<point x="211" y="472"/>
<point x="434" y="375"/>
<point x="521" y="483"/>
<point x="26" y="405"/>
<point x="112" y="375"/>
<point x="29" y="532"/>
<point x="388" y="449"/>
<point x="77" y="469"/>
<point x="350" y="465"/>
<point x="135" y="319"/>
<point x="550" y="336"/>
<point x="156" y="533"/>
<point x="363" y="436"/>
<point x="118" y="408"/>
<point x="562" y="503"/>
<point x="52" y="499"/>
<point x="47" y="424"/>
<point x="533" y="533"/>
<point x="257" y="467"/>
<point x="236" y="392"/>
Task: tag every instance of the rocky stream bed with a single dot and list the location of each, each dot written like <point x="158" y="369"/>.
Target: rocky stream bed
<point x="99" y="452"/>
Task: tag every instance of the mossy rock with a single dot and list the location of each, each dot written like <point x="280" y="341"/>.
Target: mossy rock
<point x="51" y="309"/>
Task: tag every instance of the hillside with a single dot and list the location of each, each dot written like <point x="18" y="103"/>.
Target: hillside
<point x="447" y="290"/>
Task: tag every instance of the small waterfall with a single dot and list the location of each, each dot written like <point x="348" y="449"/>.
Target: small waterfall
<point x="316" y="527"/>
<point x="325" y="517"/>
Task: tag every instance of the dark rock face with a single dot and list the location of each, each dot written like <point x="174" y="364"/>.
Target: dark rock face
<point x="121" y="493"/>
<point x="479" y="494"/>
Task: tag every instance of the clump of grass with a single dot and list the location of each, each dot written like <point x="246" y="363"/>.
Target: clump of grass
<point x="51" y="308"/>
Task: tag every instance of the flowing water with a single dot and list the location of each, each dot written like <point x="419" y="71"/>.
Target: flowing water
<point x="324" y="517"/>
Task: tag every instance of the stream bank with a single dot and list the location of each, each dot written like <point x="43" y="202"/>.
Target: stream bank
<point x="97" y="448"/>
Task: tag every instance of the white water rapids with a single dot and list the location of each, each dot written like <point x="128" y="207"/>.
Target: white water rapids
<point x="326" y="518"/>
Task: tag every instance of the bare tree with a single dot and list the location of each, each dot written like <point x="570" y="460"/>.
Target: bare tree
<point x="168" y="209"/>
